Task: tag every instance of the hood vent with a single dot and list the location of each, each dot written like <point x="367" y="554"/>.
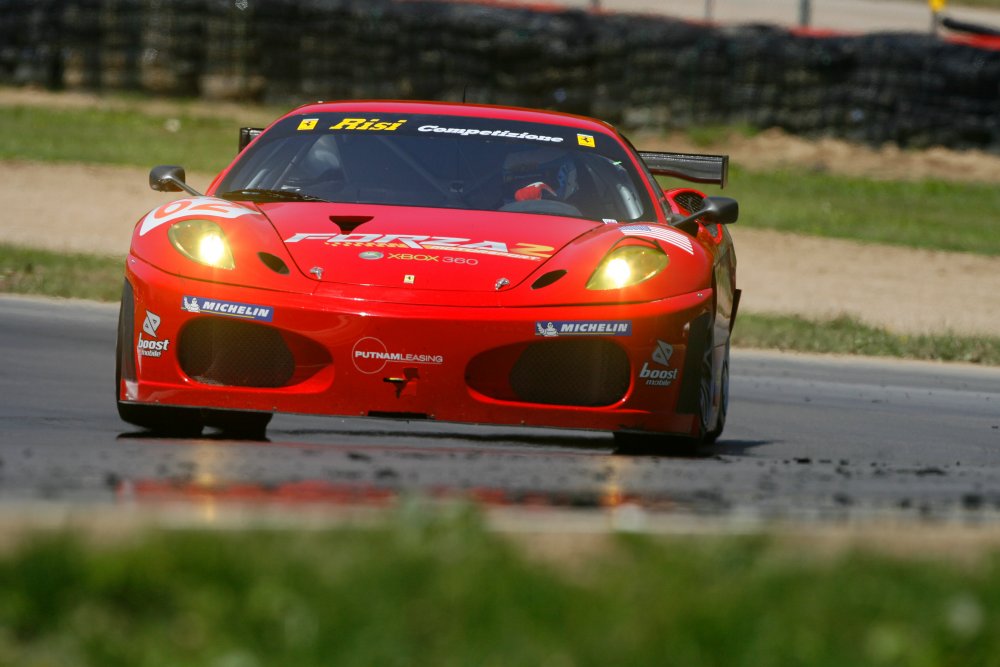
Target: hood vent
<point x="349" y="223"/>
<point x="274" y="263"/>
<point x="548" y="279"/>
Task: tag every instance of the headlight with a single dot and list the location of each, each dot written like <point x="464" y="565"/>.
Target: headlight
<point x="627" y="265"/>
<point x="202" y="241"/>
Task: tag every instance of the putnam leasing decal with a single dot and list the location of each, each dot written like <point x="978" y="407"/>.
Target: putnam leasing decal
<point x="584" y="328"/>
<point x="507" y="134"/>
<point x="531" y="251"/>
<point x="243" y="311"/>
<point x="370" y="355"/>
<point x="202" y="207"/>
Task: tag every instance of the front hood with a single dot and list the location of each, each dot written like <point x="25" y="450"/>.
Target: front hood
<point x="419" y="248"/>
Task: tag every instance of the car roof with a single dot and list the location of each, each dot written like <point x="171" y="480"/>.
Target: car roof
<point x="457" y="109"/>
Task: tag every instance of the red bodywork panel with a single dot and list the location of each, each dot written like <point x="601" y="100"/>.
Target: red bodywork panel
<point x="423" y="311"/>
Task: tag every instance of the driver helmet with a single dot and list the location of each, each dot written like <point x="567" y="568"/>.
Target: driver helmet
<point x="544" y="173"/>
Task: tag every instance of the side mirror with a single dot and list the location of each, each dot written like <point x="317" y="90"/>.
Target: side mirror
<point x="721" y="210"/>
<point x="170" y="178"/>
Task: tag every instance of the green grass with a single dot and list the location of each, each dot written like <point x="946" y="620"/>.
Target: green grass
<point x="845" y="335"/>
<point x="422" y="590"/>
<point x="118" y="137"/>
<point x="932" y="215"/>
<point x="29" y="271"/>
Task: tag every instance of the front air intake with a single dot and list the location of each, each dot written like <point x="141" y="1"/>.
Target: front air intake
<point x="234" y="353"/>
<point x="571" y="372"/>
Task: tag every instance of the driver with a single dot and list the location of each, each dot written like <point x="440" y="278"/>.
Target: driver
<point x="544" y="173"/>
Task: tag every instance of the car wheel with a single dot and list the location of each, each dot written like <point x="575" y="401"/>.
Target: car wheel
<point x="653" y="444"/>
<point x="720" y="423"/>
<point x="237" y="424"/>
<point x="162" y="419"/>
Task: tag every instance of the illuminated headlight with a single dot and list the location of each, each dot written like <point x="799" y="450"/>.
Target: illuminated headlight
<point x="627" y="265"/>
<point x="202" y="241"/>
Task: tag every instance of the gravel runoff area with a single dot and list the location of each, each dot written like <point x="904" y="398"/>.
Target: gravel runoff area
<point x="91" y="208"/>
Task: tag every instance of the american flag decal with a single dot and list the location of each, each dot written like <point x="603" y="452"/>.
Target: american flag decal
<point x="675" y="239"/>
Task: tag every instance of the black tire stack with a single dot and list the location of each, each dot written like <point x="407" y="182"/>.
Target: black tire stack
<point x="641" y="72"/>
<point x="173" y="40"/>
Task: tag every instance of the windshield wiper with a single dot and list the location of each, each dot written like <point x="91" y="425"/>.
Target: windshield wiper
<point x="264" y="195"/>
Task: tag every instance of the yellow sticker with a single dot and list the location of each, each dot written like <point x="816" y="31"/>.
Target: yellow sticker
<point x="586" y="140"/>
<point x="937" y="5"/>
<point x="374" y="124"/>
<point x="409" y="278"/>
<point x="308" y="123"/>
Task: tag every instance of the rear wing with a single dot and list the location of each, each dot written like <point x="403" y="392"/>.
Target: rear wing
<point x="694" y="167"/>
<point x="689" y="166"/>
<point x="248" y="134"/>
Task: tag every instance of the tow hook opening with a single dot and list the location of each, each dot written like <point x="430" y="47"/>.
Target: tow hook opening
<point x="405" y="383"/>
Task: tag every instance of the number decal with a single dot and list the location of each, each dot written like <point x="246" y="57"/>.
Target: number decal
<point x="210" y="207"/>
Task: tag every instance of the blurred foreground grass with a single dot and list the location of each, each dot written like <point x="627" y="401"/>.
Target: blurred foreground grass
<point x="426" y="590"/>
<point x="30" y="271"/>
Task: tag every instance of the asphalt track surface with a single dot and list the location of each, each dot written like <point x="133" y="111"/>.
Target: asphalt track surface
<point x="808" y="437"/>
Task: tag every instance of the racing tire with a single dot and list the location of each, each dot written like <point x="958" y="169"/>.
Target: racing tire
<point x="645" y="444"/>
<point x="720" y="423"/>
<point x="237" y="424"/>
<point x="628" y="443"/>
<point x="161" y="419"/>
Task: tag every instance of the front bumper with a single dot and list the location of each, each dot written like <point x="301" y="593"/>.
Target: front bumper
<point x="607" y="367"/>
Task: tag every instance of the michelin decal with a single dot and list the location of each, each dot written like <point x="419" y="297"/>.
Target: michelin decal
<point x="242" y="311"/>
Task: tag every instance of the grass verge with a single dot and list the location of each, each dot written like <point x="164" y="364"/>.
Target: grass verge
<point x="933" y="215"/>
<point x="924" y="214"/>
<point x="845" y="335"/>
<point x="118" y="136"/>
<point x="431" y="591"/>
<point x="42" y="272"/>
<point x="29" y="271"/>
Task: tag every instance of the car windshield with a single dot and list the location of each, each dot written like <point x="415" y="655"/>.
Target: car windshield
<point x="442" y="161"/>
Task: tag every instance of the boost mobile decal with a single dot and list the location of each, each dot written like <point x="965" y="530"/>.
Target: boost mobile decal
<point x="151" y="348"/>
<point x="658" y="377"/>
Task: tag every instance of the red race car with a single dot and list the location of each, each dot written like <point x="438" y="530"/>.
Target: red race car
<point x="422" y="260"/>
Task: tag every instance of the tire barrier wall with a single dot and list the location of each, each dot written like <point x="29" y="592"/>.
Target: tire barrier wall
<point x="640" y="72"/>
